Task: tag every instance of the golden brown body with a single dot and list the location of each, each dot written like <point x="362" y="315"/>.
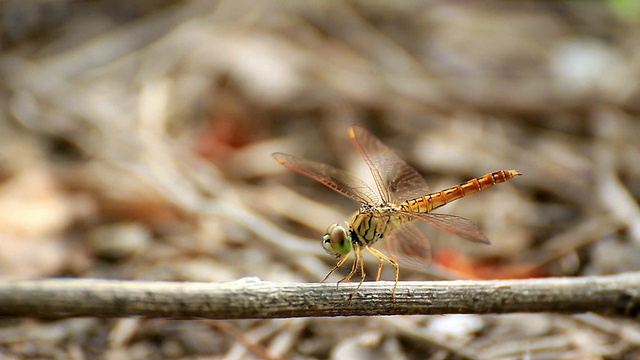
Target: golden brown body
<point x="435" y="200"/>
<point x="369" y="224"/>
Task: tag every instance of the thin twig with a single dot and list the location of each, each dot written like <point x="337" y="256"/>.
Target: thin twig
<point x="253" y="298"/>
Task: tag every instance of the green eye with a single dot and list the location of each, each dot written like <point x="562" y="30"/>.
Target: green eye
<point x="336" y="241"/>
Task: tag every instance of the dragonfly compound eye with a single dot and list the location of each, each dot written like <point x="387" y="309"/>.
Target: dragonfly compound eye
<point x="339" y="242"/>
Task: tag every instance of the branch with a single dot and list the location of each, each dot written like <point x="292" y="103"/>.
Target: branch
<point x="253" y="298"/>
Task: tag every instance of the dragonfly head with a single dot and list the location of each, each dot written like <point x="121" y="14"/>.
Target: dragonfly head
<point x="336" y="241"/>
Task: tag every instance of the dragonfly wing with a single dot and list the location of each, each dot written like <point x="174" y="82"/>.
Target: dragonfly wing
<point x="408" y="245"/>
<point x="335" y="179"/>
<point x="456" y="225"/>
<point x="395" y="179"/>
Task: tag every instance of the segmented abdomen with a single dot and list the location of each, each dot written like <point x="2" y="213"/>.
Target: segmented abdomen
<point x="435" y="200"/>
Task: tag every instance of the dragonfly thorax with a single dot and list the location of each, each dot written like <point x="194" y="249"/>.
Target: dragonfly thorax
<point x="337" y="241"/>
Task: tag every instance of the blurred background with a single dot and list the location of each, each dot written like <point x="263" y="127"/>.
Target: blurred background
<point x="136" y="141"/>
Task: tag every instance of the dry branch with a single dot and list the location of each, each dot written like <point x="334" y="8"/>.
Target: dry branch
<point x="253" y="298"/>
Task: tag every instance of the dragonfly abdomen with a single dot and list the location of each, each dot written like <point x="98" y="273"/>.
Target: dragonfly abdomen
<point x="435" y="200"/>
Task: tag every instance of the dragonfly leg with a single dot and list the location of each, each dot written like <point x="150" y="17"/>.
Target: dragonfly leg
<point x="360" y="261"/>
<point x="340" y="263"/>
<point x="354" y="268"/>
<point x="380" y="256"/>
<point x="380" y="262"/>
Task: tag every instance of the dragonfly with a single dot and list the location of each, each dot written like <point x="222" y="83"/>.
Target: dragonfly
<point x="385" y="216"/>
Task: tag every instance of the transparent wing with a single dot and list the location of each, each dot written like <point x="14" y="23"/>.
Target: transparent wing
<point x="408" y="245"/>
<point x="395" y="179"/>
<point x="338" y="180"/>
<point x="456" y="225"/>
